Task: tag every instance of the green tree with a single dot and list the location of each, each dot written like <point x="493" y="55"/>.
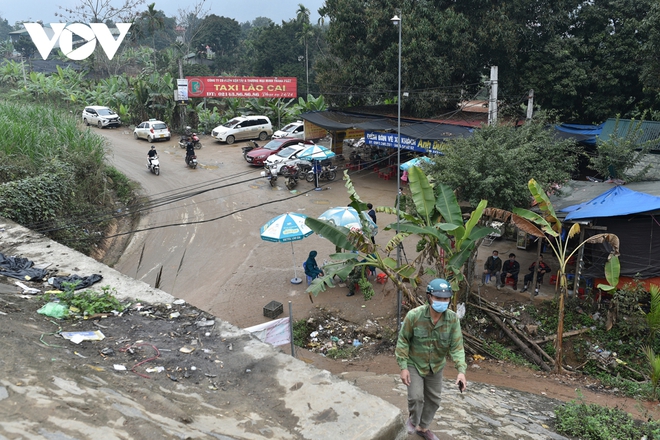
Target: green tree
<point x="222" y="36"/>
<point x="496" y="161"/>
<point x="619" y="156"/>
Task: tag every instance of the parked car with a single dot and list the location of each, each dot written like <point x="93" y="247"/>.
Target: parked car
<point x="151" y="130"/>
<point x="243" y="127"/>
<point x="288" y="156"/>
<point x="259" y="155"/>
<point x="292" y="130"/>
<point x="100" y="116"/>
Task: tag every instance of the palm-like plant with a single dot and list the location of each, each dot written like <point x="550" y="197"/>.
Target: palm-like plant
<point x="548" y="223"/>
<point x="654" y="367"/>
<point x="438" y="223"/>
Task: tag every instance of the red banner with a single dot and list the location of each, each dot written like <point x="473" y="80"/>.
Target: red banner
<point x="241" y="87"/>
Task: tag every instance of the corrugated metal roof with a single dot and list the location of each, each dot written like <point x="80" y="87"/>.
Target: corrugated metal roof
<point x="650" y="130"/>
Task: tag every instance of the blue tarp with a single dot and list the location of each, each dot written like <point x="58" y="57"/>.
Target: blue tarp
<point x="584" y="134"/>
<point x="617" y="201"/>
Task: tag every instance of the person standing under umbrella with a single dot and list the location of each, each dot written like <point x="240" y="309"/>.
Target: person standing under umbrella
<point x="372" y="214"/>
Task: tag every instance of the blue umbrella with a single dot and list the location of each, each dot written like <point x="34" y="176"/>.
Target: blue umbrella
<point x="316" y="152"/>
<point x="348" y="217"/>
<point x="414" y="162"/>
<point x="284" y="228"/>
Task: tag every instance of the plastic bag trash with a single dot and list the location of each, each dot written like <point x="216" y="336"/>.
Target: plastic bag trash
<point x="460" y="310"/>
<point x="356" y="343"/>
<point x="54" y="310"/>
<point x="178" y="302"/>
<point x="119" y="367"/>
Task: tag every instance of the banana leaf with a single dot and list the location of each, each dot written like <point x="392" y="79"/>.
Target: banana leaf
<point x="448" y="206"/>
<point x="422" y="193"/>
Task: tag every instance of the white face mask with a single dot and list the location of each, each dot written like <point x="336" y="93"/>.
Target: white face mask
<point x="495" y="257"/>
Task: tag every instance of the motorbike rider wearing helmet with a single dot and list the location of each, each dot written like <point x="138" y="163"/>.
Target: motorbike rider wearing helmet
<point x="152" y="154"/>
<point x="428" y="334"/>
<point x="190" y="150"/>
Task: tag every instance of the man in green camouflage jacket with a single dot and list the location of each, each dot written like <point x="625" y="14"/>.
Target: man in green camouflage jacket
<point x="429" y="333"/>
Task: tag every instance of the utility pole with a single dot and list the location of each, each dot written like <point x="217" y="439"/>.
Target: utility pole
<point x="492" y="101"/>
<point x="182" y="107"/>
<point x="530" y="104"/>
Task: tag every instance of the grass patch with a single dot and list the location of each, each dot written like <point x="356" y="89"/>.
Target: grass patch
<point x="499" y="351"/>
<point x="594" y="422"/>
<point x="89" y="302"/>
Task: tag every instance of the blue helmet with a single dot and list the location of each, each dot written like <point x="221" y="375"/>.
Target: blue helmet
<point x="439" y="288"/>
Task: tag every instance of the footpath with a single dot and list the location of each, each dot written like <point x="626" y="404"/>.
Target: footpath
<point x="235" y="388"/>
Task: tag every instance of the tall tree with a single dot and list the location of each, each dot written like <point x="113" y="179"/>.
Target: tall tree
<point x="496" y="162"/>
<point x="100" y="11"/>
<point x="221" y="35"/>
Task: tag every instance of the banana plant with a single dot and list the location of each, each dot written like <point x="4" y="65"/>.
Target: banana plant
<point x="547" y="223"/>
<point x="445" y="239"/>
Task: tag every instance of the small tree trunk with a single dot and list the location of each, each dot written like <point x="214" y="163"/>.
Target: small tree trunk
<point x="560" y="327"/>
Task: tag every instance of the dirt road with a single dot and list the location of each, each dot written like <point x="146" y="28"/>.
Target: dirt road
<point x="208" y="244"/>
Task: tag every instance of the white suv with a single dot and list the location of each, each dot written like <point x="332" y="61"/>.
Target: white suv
<point x="292" y="130"/>
<point x="100" y="116"/>
<point x="244" y="127"/>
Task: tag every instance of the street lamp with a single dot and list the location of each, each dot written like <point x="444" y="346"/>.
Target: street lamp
<point x="396" y="20"/>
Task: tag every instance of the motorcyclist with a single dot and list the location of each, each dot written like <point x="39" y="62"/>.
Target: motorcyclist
<point x="152" y="154"/>
<point x="190" y="151"/>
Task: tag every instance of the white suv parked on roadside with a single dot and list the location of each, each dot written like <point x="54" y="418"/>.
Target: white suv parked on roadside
<point x="100" y="116"/>
<point x="243" y="127"/>
<point x="292" y="130"/>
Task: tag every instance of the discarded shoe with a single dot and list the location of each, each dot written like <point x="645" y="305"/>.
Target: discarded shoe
<point x="409" y="426"/>
<point x="428" y="435"/>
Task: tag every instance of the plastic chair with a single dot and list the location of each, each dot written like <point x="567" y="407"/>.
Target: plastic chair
<point x="509" y="281"/>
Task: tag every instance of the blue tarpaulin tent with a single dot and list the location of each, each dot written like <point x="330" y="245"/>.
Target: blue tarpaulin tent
<point x="619" y="200"/>
<point x="633" y="217"/>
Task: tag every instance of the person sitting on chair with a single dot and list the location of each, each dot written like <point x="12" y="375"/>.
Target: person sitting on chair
<point x="492" y="268"/>
<point x="311" y="268"/>
<point x="510" y="269"/>
<point x="542" y="270"/>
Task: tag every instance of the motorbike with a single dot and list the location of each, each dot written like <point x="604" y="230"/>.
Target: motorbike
<point x="249" y="148"/>
<point x="270" y="173"/>
<point x="191" y="161"/>
<point x="189" y="136"/>
<point x="326" y="171"/>
<point x="153" y="165"/>
<point x="291" y="174"/>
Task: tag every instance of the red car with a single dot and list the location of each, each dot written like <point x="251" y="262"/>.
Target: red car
<point x="258" y="156"/>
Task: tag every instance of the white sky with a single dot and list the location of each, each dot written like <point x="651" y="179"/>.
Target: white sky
<point x="239" y="10"/>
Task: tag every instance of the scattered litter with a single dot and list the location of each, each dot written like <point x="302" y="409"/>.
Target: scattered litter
<point x="26" y="289"/>
<point x="178" y="302"/>
<point x="78" y="337"/>
<point x="356" y="343"/>
<point x="79" y="355"/>
<point x="155" y="370"/>
<point x="187" y="349"/>
<point x="119" y="367"/>
<point x="205" y="323"/>
<point x="174" y="315"/>
<point x="107" y="351"/>
<point x="54" y="310"/>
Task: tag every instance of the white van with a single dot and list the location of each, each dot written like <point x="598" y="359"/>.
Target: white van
<point x="244" y="127"/>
